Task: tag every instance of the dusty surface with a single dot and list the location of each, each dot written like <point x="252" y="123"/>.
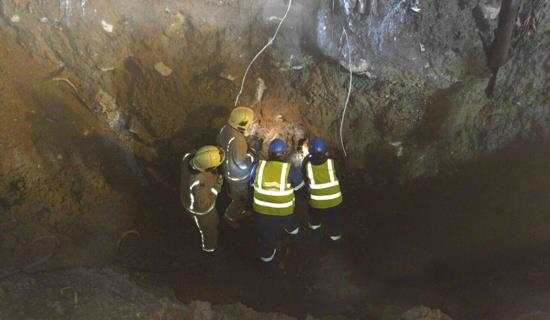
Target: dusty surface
<point x="153" y="80"/>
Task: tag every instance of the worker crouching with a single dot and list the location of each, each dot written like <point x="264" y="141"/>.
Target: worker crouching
<point x="200" y="186"/>
<point x="325" y="195"/>
<point x="274" y="182"/>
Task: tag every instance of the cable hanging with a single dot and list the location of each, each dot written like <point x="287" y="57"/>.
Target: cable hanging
<point x="269" y="43"/>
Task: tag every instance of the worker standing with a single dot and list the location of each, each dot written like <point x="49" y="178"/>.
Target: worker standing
<point x="240" y="157"/>
<point x="200" y="186"/>
<point x="325" y="196"/>
<point x="274" y="182"/>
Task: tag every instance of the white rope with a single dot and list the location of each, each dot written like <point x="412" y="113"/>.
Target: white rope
<point x="349" y="93"/>
<point x="269" y="43"/>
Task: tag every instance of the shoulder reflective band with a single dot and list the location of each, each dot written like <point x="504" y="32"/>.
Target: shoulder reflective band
<point x="192" y="198"/>
<point x="194" y="184"/>
<point x="281" y="185"/>
<point x="333" y="182"/>
<point x="329" y="197"/>
<point x="274" y="205"/>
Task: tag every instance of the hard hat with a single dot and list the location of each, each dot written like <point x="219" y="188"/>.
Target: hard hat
<point x="241" y="118"/>
<point x="277" y="147"/>
<point x="207" y="157"/>
<point x="317" y="146"/>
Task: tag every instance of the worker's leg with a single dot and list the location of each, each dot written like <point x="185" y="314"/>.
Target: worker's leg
<point x="207" y="225"/>
<point x="315" y="224"/>
<point x="269" y="238"/>
<point x="237" y="209"/>
<point x="292" y="225"/>
<point x="333" y="219"/>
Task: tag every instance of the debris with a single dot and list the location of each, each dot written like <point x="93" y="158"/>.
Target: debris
<point x="227" y="76"/>
<point x="44" y="20"/>
<point x="416" y="6"/>
<point x="106" y="26"/>
<point x="260" y="89"/>
<point x="422" y="48"/>
<point x="175" y="28"/>
<point x="109" y="108"/>
<point x="424" y="313"/>
<point x="15" y="18"/>
<point x="489" y="11"/>
<point x="163" y="69"/>
<point x="399" y="146"/>
<point x="105" y="69"/>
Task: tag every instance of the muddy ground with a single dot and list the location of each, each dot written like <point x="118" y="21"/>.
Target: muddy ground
<point x="469" y="235"/>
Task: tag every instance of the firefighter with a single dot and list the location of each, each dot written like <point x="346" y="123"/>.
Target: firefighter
<point x="240" y="157"/>
<point x="325" y="196"/>
<point x="274" y="182"/>
<point x="200" y="186"/>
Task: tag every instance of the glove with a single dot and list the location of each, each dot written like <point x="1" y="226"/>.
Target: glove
<point x="255" y="144"/>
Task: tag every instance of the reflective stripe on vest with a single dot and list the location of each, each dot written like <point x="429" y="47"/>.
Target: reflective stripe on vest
<point x="273" y="194"/>
<point x="324" y="186"/>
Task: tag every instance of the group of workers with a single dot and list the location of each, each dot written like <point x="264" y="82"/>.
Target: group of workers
<point x="234" y="163"/>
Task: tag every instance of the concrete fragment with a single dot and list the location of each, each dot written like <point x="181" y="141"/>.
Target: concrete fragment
<point x="163" y="69"/>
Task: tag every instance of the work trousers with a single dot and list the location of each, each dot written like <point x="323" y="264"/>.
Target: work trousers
<point x="329" y="218"/>
<point x="270" y="232"/>
<point x="207" y="224"/>
<point x="237" y="209"/>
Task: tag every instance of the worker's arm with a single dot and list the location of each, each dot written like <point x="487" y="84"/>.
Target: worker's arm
<point x="184" y="178"/>
<point x="253" y="174"/>
<point x="296" y="179"/>
<point x="239" y="154"/>
<point x="203" y="195"/>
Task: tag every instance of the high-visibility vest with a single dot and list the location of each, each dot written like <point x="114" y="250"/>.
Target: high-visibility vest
<point x="324" y="188"/>
<point x="273" y="194"/>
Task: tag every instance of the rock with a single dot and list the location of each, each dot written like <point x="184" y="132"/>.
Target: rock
<point x="109" y="108"/>
<point x="175" y="29"/>
<point x="107" y="26"/>
<point x="163" y="69"/>
<point x="199" y="310"/>
<point x="15" y="18"/>
<point x="424" y="313"/>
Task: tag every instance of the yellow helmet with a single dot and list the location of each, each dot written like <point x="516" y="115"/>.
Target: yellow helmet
<point x="241" y="118"/>
<point x="207" y="157"/>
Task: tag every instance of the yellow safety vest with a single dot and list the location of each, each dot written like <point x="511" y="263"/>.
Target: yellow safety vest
<point x="273" y="194"/>
<point x="324" y="188"/>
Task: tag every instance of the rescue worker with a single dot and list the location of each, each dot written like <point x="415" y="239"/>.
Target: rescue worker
<point x="274" y="182"/>
<point x="239" y="159"/>
<point x="200" y="186"/>
<point x="325" y="196"/>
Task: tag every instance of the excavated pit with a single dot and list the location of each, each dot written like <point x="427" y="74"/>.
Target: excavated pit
<point x="446" y="189"/>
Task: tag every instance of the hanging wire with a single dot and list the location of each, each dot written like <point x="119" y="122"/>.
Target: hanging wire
<point x="349" y="93"/>
<point x="269" y="43"/>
